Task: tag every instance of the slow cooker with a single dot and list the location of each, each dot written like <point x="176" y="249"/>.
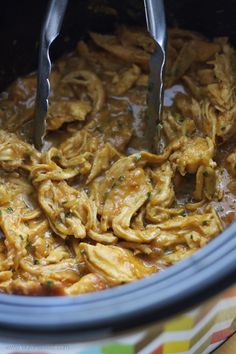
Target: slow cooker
<point x="186" y="308"/>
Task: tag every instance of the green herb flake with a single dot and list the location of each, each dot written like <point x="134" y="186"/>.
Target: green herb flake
<point x="113" y="184"/>
<point x="9" y="210"/>
<point x="49" y="283"/>
<point x="184" y="213"/>
<point x="187" y="133"/>
<point x="121" y="178"/>
<point x="58" y="157"/>
<point x="21" y="237"/>
<point x="105" y="195"/>
<point x="191" y="236"/>
<point x="180" y="120"/>
<point x="219" y="209"/>
<point x="205" y="222"/>
<point x="137" y="157"/>
<point x="205" y="174"/>
<point x="148" y="195"/>
<point x="36" y="262"/>
<point x="223" y="127"/>
<point x="99" y="129"/>
<point x="69" y="214"/>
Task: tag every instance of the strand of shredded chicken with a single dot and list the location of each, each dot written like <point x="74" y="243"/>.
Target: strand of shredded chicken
<point x="94" y="209"/>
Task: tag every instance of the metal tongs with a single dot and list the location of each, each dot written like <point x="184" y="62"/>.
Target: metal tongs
<point x="156" y="24"/>
<point x="50" y="30"/>
<point x="51" y="27"/>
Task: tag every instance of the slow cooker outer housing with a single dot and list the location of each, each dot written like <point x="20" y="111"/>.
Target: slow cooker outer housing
<point x="160" y="296"/>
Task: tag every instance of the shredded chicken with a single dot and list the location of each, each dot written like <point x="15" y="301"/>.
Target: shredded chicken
<point x="61" y="112"/>
<point x="113" y="263"/>
<point x="231" y="160"/>
<point x="94" y="209"/>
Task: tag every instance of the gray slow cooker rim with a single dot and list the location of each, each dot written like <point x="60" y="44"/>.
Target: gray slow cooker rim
<point x="146" y="301"/>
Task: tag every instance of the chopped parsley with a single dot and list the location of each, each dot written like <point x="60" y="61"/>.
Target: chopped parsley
<point x="205" y="222"/>
<point x="49" y="283"/>
<point x="219" y="208"/>
<point x="121" y="178"/>
<point x="36" y="262"/>
<point x="148" y="195"/>
<point x="113" y="184"/>
<point x="69" y="214"/>
<point x="9" y="210"/>
<point x="205" y="174"/>
<point x="223" y="127"/>
<point x="187" y="133"/>
<point x="105" y="195"/>
<point x="180" y="119"/>
<point x="99" y="129"/>
<point x="137" y="157"/>
<point x="21" y="237"/>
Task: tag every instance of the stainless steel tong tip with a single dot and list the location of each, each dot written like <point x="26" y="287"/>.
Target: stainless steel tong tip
<point x="156" y="24"/>
<point x="50" y="30"/>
